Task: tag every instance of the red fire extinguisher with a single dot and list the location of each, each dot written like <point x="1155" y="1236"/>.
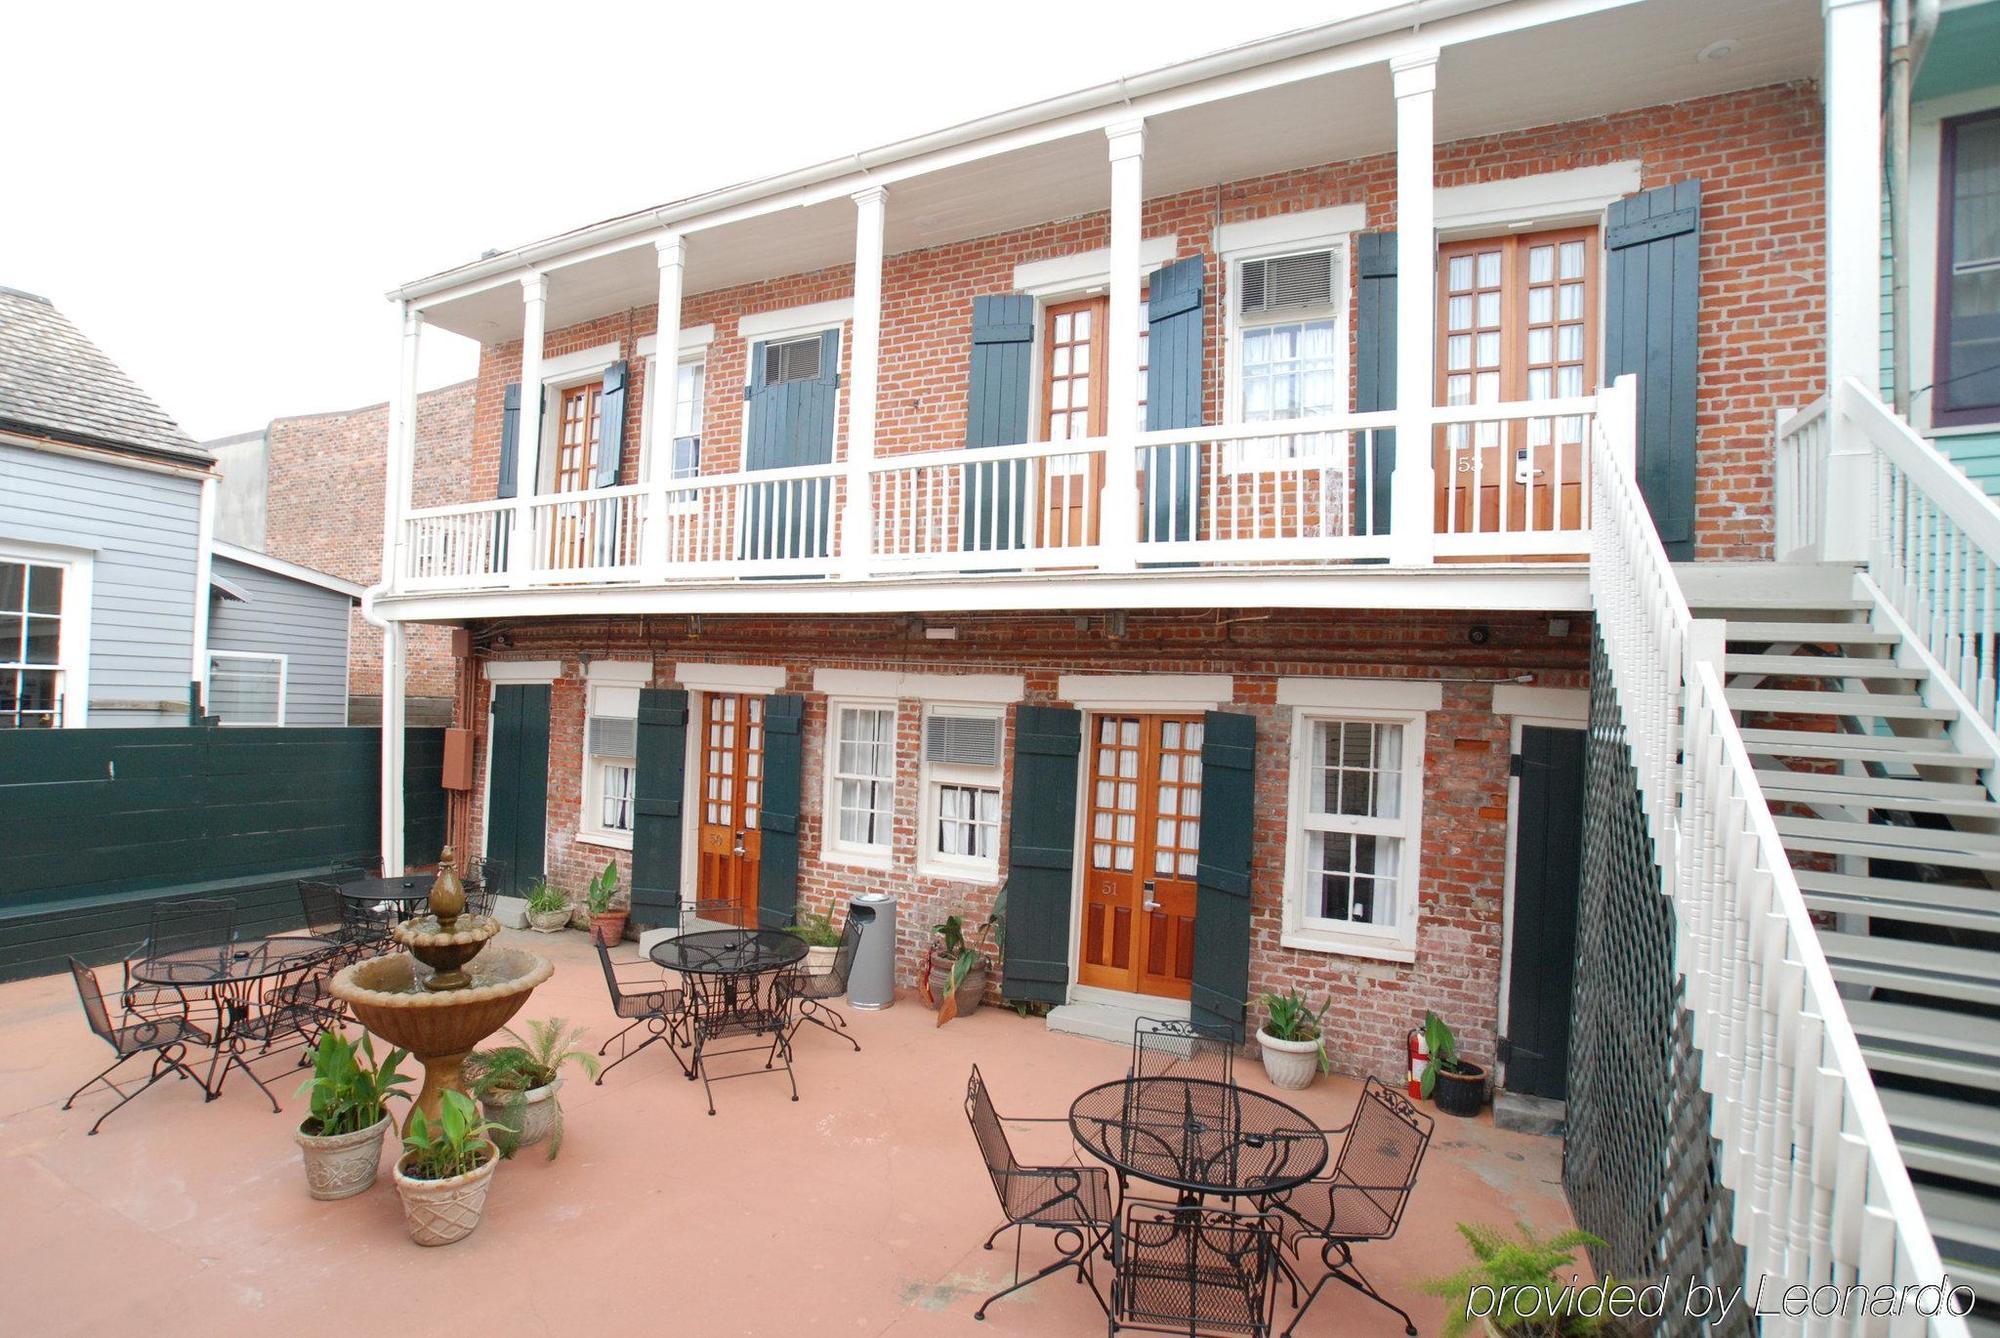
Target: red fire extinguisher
<point x="1420" y="1059"/>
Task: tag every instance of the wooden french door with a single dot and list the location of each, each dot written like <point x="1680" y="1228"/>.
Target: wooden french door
<point x="1073" y="381"/>
<point x="732" y="784"/>
<point x="1517" y="320"/>
<point x="579" y="433"/>
<point x="1140" y="848"/>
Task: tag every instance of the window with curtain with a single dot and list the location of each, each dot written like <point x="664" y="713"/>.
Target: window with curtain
<point x="610" y="763"/>
<point x="1967" y="372"/>
<point x="1356" y="839"/>
<point x="961" y="789"/>
<point x="1289" y="358"/>
<point x="863" y="778"/>
<point x="31" y="677"/>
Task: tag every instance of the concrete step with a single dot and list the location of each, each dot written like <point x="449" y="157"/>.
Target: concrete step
<point x="1863" y="705"/>
<point x="1819" y="666"/>
<point x="1829" y="746"/>
<point x="1960" y="1139"/>
<point x="1928" y="1043"/>
<point x="1945" y="904"/>
<point x="1099" y="1021"/>
<point x="1937" y="969"/>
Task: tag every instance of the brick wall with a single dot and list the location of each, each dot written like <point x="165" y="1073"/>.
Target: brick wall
<point x="1756" y="152"/>
<point x="325" y="507"/>
<point x="1464" y="835"/>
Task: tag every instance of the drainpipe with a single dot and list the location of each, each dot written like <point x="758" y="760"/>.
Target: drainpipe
<point x="1896" y="144"/>
<point x="394" y="716"/>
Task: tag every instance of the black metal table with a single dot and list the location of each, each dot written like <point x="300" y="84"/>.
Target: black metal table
<point x="731" y="976"/>
<point x="234" y="975"/>
<point x="408" y="893"/>
<point x="1198" y="1137"/>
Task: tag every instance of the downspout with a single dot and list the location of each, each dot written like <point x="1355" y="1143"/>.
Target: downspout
<point x="1896" y="146"/>
<point x="204" y="565"/>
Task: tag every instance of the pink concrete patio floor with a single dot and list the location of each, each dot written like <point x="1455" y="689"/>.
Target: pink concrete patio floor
<point x="858" y="1210"/>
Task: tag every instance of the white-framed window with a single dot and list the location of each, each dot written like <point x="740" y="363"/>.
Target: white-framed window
<point x="861" y="779"/>
<point x="610" y="764"/>
<point x="36" y="596"/>
<point x="245" y="688"/>
<point x="1288" y="317"/>
<point x="1355" y="831"/>
<point x="959" y="831"/>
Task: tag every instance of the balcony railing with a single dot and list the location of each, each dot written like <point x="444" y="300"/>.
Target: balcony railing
<point x="1512" y="482"/>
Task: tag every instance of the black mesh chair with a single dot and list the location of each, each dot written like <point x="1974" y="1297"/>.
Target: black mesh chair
<point x="297" y="1011"/>
<point x="1192" y="1270"/>
<point x="327" y="915"/>
<point x="809" y="990"/>
<point x="1074" y="1202"/>
<point x="1363" y="1199"/>
<point x="353" y="868"/>
<point x="164" y="1038"/>
<point x="482" y="878"/>
<point x="1178" y="1048"/>
<point x="178" y="926"/>
<point x="651" y="1003"/>
<point x="149" y="1002"/>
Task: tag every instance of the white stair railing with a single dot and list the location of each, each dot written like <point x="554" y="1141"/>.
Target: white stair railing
<point x="1822" y="1198"/>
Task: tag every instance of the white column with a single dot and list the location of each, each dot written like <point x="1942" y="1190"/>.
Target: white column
<point x="394" y="715"/>
<point x="528" y="460"/>
<point x="401" y="454"/>
<point x="204" y="564"/>
<point x="864" y="380"/>
<point x="672" y="249"/>
<point x="1119" y="507"/>
<point x="1413" y="489"/>
<point x="1853" y="92"/>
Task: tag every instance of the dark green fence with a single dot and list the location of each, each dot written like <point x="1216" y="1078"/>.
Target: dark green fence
<point x="97" y="824"/>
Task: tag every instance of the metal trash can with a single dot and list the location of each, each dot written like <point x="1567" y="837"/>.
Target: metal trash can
<point x="872" y="984"/>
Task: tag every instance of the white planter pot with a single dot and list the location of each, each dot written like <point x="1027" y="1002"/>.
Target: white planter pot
<point x="549" y="922"/>
<point x="821" y="959"/>
<point x="531" y="1115"/>
<point x="438" y="1212"/>
<point x="343" y="1165"/>
<point x="1291" y="1065"/>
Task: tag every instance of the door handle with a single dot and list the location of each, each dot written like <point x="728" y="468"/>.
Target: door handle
<point x="1147" y="888"/>
<point x="739" y="846"/>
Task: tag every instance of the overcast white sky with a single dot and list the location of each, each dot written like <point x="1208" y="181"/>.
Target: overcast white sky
<point x="220" y="195"/>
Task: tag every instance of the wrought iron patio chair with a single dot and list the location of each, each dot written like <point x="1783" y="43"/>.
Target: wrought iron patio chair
<point x="132" y="1035"/>
<point x="1364" y="1197"/>
<point x="809" y="991"/>
<point x="149" y="1001"/>
<point x="178" y="926"/>
<point x="299" y="1008"/>
<point x="1179" y="1048"/>
<point x="327" y="915"/>
<point x="1186" y="1269"/>
<point x="353" y="868"/>
<point x="1074" y="1202"/>
<point x="483" y="877"/>
<point x="655" y="1005"/>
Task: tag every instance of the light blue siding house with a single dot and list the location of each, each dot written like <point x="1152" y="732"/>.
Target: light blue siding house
<point x="277" y="640"/>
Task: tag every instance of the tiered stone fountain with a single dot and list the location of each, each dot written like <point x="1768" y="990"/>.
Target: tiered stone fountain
<point x="451" y="990"/>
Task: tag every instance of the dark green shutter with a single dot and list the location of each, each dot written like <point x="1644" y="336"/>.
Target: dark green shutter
<point x="1375" y="360"/>
<point x="1041" y="853"/>
<point x="510" y="441"/>
<point x="998" y="503"/>
<point x="778" y="819"/>
<point x="1222" y="873"/>
<point x="1174" y="302"/>
<point x="611" y="426"/>
<point x="656" y="808"/>
<point x="517" y="809"/>
<point x="791" y="425"/>
<point x="1652" y="291"/>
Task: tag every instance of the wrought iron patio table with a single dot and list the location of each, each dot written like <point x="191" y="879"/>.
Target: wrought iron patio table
<point x="1198" y="1137"/>
<point x="370" y="905"/>
<point x="731" y="979"/>
<point x="235" y="976"/>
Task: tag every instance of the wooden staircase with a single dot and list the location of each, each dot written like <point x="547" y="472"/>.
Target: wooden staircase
<point x="1880" y="794"/>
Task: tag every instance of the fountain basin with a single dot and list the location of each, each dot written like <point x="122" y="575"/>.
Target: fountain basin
<point x="446" y="945"/>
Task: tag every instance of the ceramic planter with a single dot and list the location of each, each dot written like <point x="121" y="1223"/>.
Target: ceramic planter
<point x="821" y="959"/>
<point x="438" y="1212"/>
<point x="530" y="1115"/>
<point x="342" y="1165"/>
<point x="608" y="927"/>
<point x="549" y="922"/>
<point x="1460" y="1094"/>
<point x="971" y="991"/>
<point x="1291" y="1065"/>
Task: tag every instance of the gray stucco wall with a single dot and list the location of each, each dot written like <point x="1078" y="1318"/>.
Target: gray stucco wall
<point x="140" y="528"/>
<point x="241" y="499"/>
<point x="304" y="623"/>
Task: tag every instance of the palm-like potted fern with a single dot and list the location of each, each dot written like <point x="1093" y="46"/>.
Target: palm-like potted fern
<point x="1515" y="1285"/>
<point x="517" y="1084"/>
<point x="548" y="908"/>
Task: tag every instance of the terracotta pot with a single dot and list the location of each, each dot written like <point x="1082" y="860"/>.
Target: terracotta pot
<point x="438" y="1212"/>
<point x="549" y="922"/>
<point x="340" y="1166"/>
<point x="529" y="1115"/>
<point x="1291" y="1065"/>
<point x="971" y="991"/>
<point x="608" y="928"/>
<point x="1461" y="1093"/>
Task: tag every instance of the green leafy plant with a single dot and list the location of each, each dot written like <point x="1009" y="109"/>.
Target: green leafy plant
<point x="1443" y="1049"/>
<point x="949" y="943"/>
<point x="816" y="928"/>
<point x="1290" y="1017"/>
<point x="348" y="1090"/>
<point x="503" y="1076"/>
<point x="453" y="1144"/>
<point x="602" y="889"/>
<point x="1516" y="1282"/>
<point x="542" y="897"/>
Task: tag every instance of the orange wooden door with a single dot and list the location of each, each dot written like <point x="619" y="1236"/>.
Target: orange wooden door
<point x="732" y="783"/>
<point x="579" y="427"/>
<point x="1140" y="844"/>
<point x="1073" y="380"/>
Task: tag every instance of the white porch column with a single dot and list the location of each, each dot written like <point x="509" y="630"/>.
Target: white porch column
<point x="394" y="715"/>
<point x="864" y="380"/>
<point x="528" y="457"/>
<point x="1118" y="525"/>
<point x="1413" y="489"/>
<point x="1853" y="91"/>
<point x="667" y="368"/>
<point x="398" y="483"/>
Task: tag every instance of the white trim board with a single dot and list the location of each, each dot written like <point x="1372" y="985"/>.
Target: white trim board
<point x="1294" y="229"/>
<point x="796" y="320"/>
<point x="1568" y="705"/>
<point x="570" y="366"/>
<point x="619" y="673"/>
<point x="1060" y="274"/>
<point x="889" y="685"/>
<point x="757" y="678"/>
<point x="1147" y="692"/>
<point x="1362" y="694"/>
<point x="1536" y="198"/>
<point x="249" y="557"/>
<point x="522" y="671"/>
<point x="694" y="339"/>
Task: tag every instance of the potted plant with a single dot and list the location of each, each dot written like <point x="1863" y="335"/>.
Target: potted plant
<point x="822" y="940"/>
<point x="341" y="1136"/>
<point x="607" y="922"/>
<point x="954" y="976"/>
<point x="548" y="908"/>
<point x="1521" y="1278"/>
<point x="1457" y="1085"/>
<point x="1291" y="1042"/>
<point x="517" y="1084"/>
<point x="445" y="1171"/>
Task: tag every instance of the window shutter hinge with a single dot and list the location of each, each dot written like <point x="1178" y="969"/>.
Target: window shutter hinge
<point x="1503" y="1049"/>
<point x="748" y="391"/>
<point x="1517" y="765"/>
